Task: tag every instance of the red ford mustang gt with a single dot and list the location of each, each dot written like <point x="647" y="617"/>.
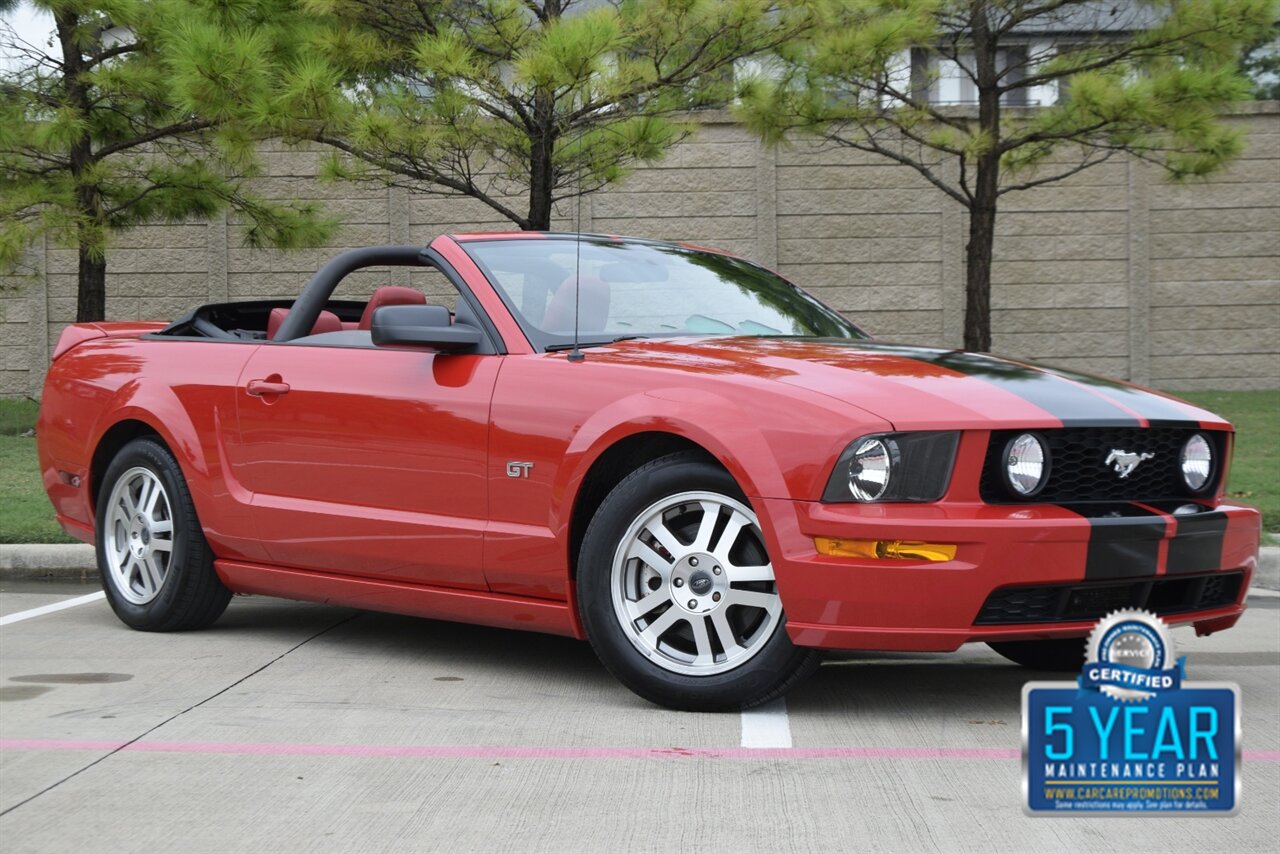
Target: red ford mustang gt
<point x="722" y="478"/>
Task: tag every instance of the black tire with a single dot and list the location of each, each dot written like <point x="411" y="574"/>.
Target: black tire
<point x="768" y="672"/>
<point x="190" y="595"/>
<point x="1059" y="655"/>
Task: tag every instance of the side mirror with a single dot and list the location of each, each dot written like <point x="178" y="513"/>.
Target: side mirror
<point x="425" y="326"/>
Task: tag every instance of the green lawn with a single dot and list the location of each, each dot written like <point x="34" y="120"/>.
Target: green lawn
<point x="17" y="416"/>
<point x="25" y="513"/>
<point x="27" y="517"/>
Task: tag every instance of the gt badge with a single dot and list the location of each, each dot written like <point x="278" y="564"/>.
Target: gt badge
<point x="515" y="469"/>
<point x="1125" y="462"/>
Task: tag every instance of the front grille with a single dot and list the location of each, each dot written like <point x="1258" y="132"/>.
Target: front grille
<point x="1059" y="603"/>
<point x="1078" y="470"/>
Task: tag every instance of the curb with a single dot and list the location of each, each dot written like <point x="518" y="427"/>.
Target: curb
<point x="78" y="563"/>
<point x="25" y="562"/>
<point x="1268" y="573"/>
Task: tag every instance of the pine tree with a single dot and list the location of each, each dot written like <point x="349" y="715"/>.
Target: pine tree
<point x="1146" y="77"/>
<point x="99" y="135"/>
<point x="520" y="103"/>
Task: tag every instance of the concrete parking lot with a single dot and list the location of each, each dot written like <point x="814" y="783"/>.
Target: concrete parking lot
<point x="294" y="727"/>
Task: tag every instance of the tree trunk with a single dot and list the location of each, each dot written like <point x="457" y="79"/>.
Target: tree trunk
<point x="977" y="304"/>
<point x="91" y="295"/>
<point x="91" y="233"/>
<point x="542" y="145"/>
<point x="540" y="186"/>
<point x="91" y="299"/>
<point x="986" y="188"/>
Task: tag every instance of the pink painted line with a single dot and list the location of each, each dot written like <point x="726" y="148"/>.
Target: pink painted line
<point x="513" y="752"/>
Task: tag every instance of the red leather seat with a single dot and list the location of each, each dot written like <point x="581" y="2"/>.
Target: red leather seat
<point x="592" y="306"/>
<point x="390" y="295"/>
<point x="326" y="322"/>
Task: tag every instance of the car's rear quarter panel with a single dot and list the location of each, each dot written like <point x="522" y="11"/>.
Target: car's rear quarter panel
<point x="183" y="391"/>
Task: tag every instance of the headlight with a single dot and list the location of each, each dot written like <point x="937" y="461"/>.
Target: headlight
<point x="894" y="467"/>
<point x="1197" y="462"/>
<point x="869" y="469"/>
<point x="1026" y="464"/>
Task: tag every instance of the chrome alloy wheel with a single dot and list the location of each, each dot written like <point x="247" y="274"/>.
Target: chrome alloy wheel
<point x="139" y="535"/>
<point x="693" y="587"/>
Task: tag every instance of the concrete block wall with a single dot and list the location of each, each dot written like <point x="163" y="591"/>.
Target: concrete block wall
<point x="1113" y="271"/>
<point x="1214" y="319"/>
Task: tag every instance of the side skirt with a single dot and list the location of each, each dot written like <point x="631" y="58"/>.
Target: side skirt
<point x="436" y="603"/>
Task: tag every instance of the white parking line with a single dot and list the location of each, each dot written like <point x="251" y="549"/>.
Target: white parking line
<point x="1263" y="593"/>
<point x="49" y="609"/>
<point x="766" y="726"/>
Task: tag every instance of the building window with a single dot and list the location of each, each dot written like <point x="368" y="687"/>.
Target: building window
<point x="950" y="80"/>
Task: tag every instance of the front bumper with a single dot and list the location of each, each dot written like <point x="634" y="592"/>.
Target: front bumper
<point x="892" y="604"/>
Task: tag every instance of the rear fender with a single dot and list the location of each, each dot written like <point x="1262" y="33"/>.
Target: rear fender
<point x="168" y="420"/>
<point x="69" y="477"/>
<point x="221" y="505"/>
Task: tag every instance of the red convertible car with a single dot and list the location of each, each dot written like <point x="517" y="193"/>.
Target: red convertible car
<point x="666" y="450"/>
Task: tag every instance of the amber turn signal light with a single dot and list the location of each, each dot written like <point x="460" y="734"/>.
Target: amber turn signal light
<point x="892" y="549"/>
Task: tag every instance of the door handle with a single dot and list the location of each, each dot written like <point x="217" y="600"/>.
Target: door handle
<point x="266" y="388"/>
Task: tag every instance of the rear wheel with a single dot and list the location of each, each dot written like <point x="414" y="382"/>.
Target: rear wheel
<point x="1059" y="655"/>
<point x="677" y="592"/>
<point x="157" y="569"/>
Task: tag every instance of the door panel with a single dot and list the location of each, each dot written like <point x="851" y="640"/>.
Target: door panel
<point x="370" y="461"/>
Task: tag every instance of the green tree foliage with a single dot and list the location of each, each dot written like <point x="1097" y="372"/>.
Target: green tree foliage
<point x="508" y="100"/>
<point x="1147" y="77"/>
<point x="128" y="118"/>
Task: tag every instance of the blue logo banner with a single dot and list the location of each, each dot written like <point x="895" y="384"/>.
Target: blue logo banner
<point x="1174" y="753"/>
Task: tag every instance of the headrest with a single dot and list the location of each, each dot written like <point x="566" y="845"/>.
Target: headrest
<point x="592" y="299"/>
<point x="390" y="295"/>
<point x="326" y="322"/>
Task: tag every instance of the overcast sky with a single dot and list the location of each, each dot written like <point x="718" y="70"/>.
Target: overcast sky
<point x="30" y="24"/>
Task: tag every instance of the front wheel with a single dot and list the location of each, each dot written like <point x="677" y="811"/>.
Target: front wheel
<point x="157" y="570"/>
<point x="677" y="592"/>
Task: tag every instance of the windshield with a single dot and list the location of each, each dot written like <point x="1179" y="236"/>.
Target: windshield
<point x="643" y="290"/>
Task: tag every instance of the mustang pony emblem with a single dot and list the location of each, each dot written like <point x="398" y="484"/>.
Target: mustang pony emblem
<point x="1125" y="462"/>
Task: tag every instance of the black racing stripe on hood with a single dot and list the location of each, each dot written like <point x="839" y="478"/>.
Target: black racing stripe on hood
<point x="1157" y="409"/>
<point x="1124" y="540"/>
<point x="1056" y="394"/>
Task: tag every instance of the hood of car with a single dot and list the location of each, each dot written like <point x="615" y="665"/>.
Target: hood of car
<point x="919" y="388"/>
